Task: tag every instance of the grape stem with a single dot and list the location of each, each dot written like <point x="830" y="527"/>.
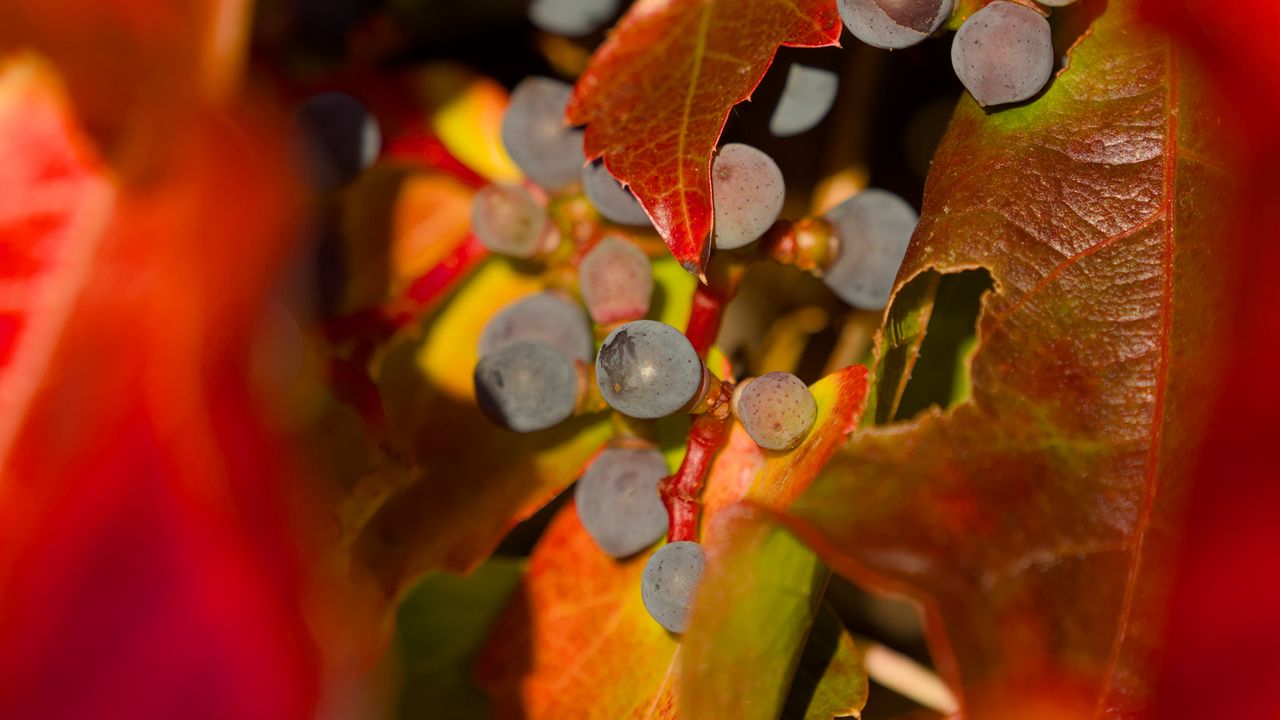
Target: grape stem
<point x="681" y="492"/>
<point x="704" y="318"/>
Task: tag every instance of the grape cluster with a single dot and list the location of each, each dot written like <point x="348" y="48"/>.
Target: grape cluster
<point x="1003" y="53"/>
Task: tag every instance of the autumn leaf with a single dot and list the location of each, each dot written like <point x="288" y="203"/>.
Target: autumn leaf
<point x="657" y="93"/>
<point x="1035" y="519"/>
<point x="146" y="567"/>
<point x="576" y="625"/>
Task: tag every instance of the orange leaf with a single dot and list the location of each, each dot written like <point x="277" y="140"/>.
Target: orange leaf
<point x="657" y="93"/>
<point x="576" y="640"/>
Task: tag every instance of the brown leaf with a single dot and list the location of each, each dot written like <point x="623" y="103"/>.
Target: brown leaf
<point x="1033" y="519"/>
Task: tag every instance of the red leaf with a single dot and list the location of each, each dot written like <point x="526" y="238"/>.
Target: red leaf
<point x="657" y="93"/>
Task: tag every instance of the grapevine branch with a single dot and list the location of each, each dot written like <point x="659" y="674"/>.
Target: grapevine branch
<point x="681" y="492"/>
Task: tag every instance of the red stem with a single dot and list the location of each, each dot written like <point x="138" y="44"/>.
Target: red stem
<point x="681" y="492"/>
<point x="704" y="318"/>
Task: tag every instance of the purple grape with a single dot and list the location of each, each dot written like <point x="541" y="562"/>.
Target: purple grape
<point x="748" y="190"/>
<point x="873" y="229"/>
<point x="613" y="201"/>
<point x="894" y="24"/>
<point x="1003" y="53"/>
<point x="536" y="137"/>
<point x="669" y="582"/>
<point x="618" y="501"/>
<point x="339" y="139"/>
<point x="571" y="18"/>
<point x="806" y="98"/>
<point x="507" y="220"/>
<point x="647" y="369"/>
<point x="616" y="280"/>
<point x="547" y="316"/>
<point x="526" y="386"/>
<point x="777" y="410"/>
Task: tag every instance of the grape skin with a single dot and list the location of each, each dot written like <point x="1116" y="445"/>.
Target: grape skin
<point x="536" y="138"/>
<point x="526" y="386"/>
<point x="339" y="139"/>
<point x="894" y="24"/>
<point x="607" y="195"/>
<point x="1003" y="53"/>
<point x="507" y="220"/>
<point x="748" y="190"/>
<point x="618" y="502"/>
<point x="670" y="580"/>
<point x="571" y="18"/>
<point x="616" y="280"/>
<point x="777" y="410"/>
<point x="546" y="316"/>
<point x="873" y="229"/>
<point x="806" y="98"/>
<point x="647" y="369"/>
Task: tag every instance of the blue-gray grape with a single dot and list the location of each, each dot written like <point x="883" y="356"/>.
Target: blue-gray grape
<point x="536" y="137"/>
<point x="339" y="139"/>
<point x="572" y="18"/>
<point x="647" y="369"/>
<point x="670" y="580"/>
<point x="618" y="501"/>
<point x="546" y="316"/>
<point x="613" y="201"/>
<point x="894" y="24"/>
<point x="873" y="229"/>
<point x="806" y="98"/>
<point x="777" y="410"/>
<point x="507" y="220"/>
<point x="616" y="280"/>
<point x="526" y="386"/>
<point x="1003" y="53"/>
<point x="748" y="191"/>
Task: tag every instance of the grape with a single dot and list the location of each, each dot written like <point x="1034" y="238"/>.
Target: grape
<point x="669" y="581"/>
<point x="536" y="137"/>
<point x="647" y="369"/>
<point x="507" y="220"/>
<point x="894" y="24"/>
<point x="339" y="139"/>
<point x="572" y="18"/>
<point x="616" y="280"/>
<point x="1003" y="53"/>
<point x="547" y="316"/>
<point x="526" y="386"/>
<point x="618" y="501"/>
<point x="777" y="410"/>
<point x="806" y="98"/>
<point x="873" y="229"/>
<point x="1056" y="3"/>
<point x="748" y="190"/>
<point x="614" y="202"/>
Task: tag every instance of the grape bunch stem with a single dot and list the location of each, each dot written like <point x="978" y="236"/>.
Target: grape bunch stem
<point x="681" y="492"/>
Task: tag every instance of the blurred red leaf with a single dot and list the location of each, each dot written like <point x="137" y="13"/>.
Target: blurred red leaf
<point x="146" y="564"/>
<point x="1036" y="519"/>
<point x="657" y="93"/>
